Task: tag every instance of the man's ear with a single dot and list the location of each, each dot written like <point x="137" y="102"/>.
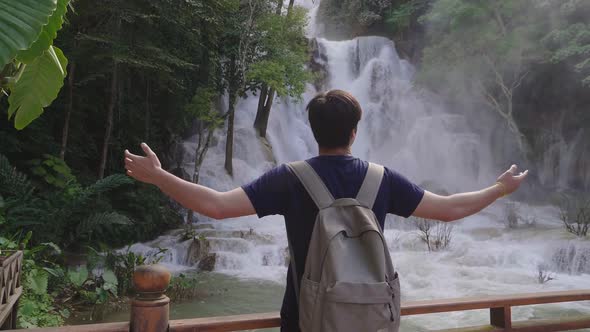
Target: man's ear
<point x="352" y="136"/>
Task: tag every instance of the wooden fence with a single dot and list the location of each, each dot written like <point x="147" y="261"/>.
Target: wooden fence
<point x="150" y="311"/>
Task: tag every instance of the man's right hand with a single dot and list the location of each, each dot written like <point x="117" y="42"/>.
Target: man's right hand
<point x="146" y="169"/>
<point x="510" y="181"/>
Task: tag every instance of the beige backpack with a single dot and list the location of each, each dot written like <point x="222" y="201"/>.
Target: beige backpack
<point x="349" y="283"/>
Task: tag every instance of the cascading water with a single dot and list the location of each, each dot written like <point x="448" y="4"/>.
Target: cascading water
<point x="405" y="129"/>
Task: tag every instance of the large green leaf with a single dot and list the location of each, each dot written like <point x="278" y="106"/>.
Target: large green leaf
<point x="38" y="87"/>
<point x="79" y="276"/>
<point x="48" y="34"/>
<point x="21" y="22"/>
<point x="37" y="281"/>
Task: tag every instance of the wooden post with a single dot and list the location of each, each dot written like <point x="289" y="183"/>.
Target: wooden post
<point x="150" y="310"/>
<point x="501" y="317"/>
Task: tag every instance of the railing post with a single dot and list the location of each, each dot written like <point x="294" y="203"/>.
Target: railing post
<point x="150" y="309"/>
<point x="501" y="317"/>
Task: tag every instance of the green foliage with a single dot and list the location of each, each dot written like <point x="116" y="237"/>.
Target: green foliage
<point x="39" y="311"/>
<point x="483" y="50"/>
<point x="68" y="213"/>
<point x="38" y="86"/>
<point x="36" y="75"/>
<point x="37" y="307"/>
<point x="48" y="34"/>
<point x="201" y="108"/>
<point x="183" y="287"/>
<point x="31" y="16"/>
<point x="52" y="171"/>
<point x="401" y="16"/>
<point x="13" y="182"/>
<point x="350" y="16"/>
<point x="37" y="281"/>
<point x="78" y="277"/>
<point x="89" y="288"/>
<point x="572" y="44"/>
<point x="121" y="265"/>
<point x="284" y="54"/>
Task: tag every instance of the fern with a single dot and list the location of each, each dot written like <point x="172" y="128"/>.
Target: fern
<point x="13" y="182"/>
<point x="109" y="183"/>
<point x="98" y="222"/>
<point x="81" y="200"/>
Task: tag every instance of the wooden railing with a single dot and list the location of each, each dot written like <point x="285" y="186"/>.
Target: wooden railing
<point x="150" y="311"/>
<point x="11" y="263"/>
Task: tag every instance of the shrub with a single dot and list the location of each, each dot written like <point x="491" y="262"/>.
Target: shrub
<point x="543" y="274"/>
<point x="575" y="215"/>
<point x="182" y="287"/>
<point x="436" y="235"/>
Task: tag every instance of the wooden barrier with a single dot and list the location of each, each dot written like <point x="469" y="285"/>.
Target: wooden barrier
<point x="150" y="310"/>
<point x="10" y="288"/>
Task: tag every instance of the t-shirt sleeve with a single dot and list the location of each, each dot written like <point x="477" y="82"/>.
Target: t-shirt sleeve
<point x="405" y="195"/>
<point x="269" y="193"/>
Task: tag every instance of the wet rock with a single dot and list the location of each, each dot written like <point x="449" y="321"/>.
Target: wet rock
<point x="198" y="250"/>
<point x="208" y="263"/>
<point x="318" y="64"/>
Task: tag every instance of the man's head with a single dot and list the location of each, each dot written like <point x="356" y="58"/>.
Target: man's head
<point x="334" y="116"/>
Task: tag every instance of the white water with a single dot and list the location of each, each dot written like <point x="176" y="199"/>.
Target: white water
<point x="408" y="131"/>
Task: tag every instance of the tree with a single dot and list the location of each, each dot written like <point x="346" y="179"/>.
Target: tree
<point x="32" y="69"/>
<point x="281" y="71"/>
<point x="570" y="41"/>
<point x="485" y="48"/>
<point x="208" y="119"/>
<point x="122" y="27"/>
<point x="240" y="55"/>
<point x="353" y="17"/>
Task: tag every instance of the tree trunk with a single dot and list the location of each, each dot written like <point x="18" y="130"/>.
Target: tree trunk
<point x="201" y="151"/>
<point x="262" y="123"/>
<point x="148" y="114"/>
<point x="261" y="103"/>
<point x="229" y="144"/>
<point x="267" y="95"/>
<point x="279" y="7"/>
<point x="109" y="127"/>
<point x="69" y="106"/>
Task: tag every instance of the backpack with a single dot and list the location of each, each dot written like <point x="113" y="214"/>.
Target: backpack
<point x="349" y="283"/>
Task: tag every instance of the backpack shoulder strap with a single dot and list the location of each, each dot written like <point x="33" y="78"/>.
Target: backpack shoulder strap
<point x="312" y="183"/>
<point x="370" y="187"/>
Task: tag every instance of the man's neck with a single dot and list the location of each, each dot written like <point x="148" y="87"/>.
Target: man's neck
<point x="335" y="151"/>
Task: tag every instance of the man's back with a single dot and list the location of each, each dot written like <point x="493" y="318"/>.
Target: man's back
<point x="280" y="192"/>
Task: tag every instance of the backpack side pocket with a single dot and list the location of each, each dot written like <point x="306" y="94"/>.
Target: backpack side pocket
<point x="307" y="300"/>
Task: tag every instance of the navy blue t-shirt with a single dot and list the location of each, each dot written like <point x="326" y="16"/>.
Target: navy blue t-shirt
<point x="280" y="192"/>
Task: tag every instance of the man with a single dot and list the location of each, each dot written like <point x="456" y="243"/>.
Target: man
<point x="333" y="117"/>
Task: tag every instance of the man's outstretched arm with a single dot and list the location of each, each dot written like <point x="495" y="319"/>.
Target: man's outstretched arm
<point x="203" y="200"/>
<point x="458" y="206"/>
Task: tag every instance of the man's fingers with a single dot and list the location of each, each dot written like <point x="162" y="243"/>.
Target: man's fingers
<point x="131" y="155"/>
<point x="522" y="175"/>
<point x="147" y="150"/>
<point x="513" y="169"/>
